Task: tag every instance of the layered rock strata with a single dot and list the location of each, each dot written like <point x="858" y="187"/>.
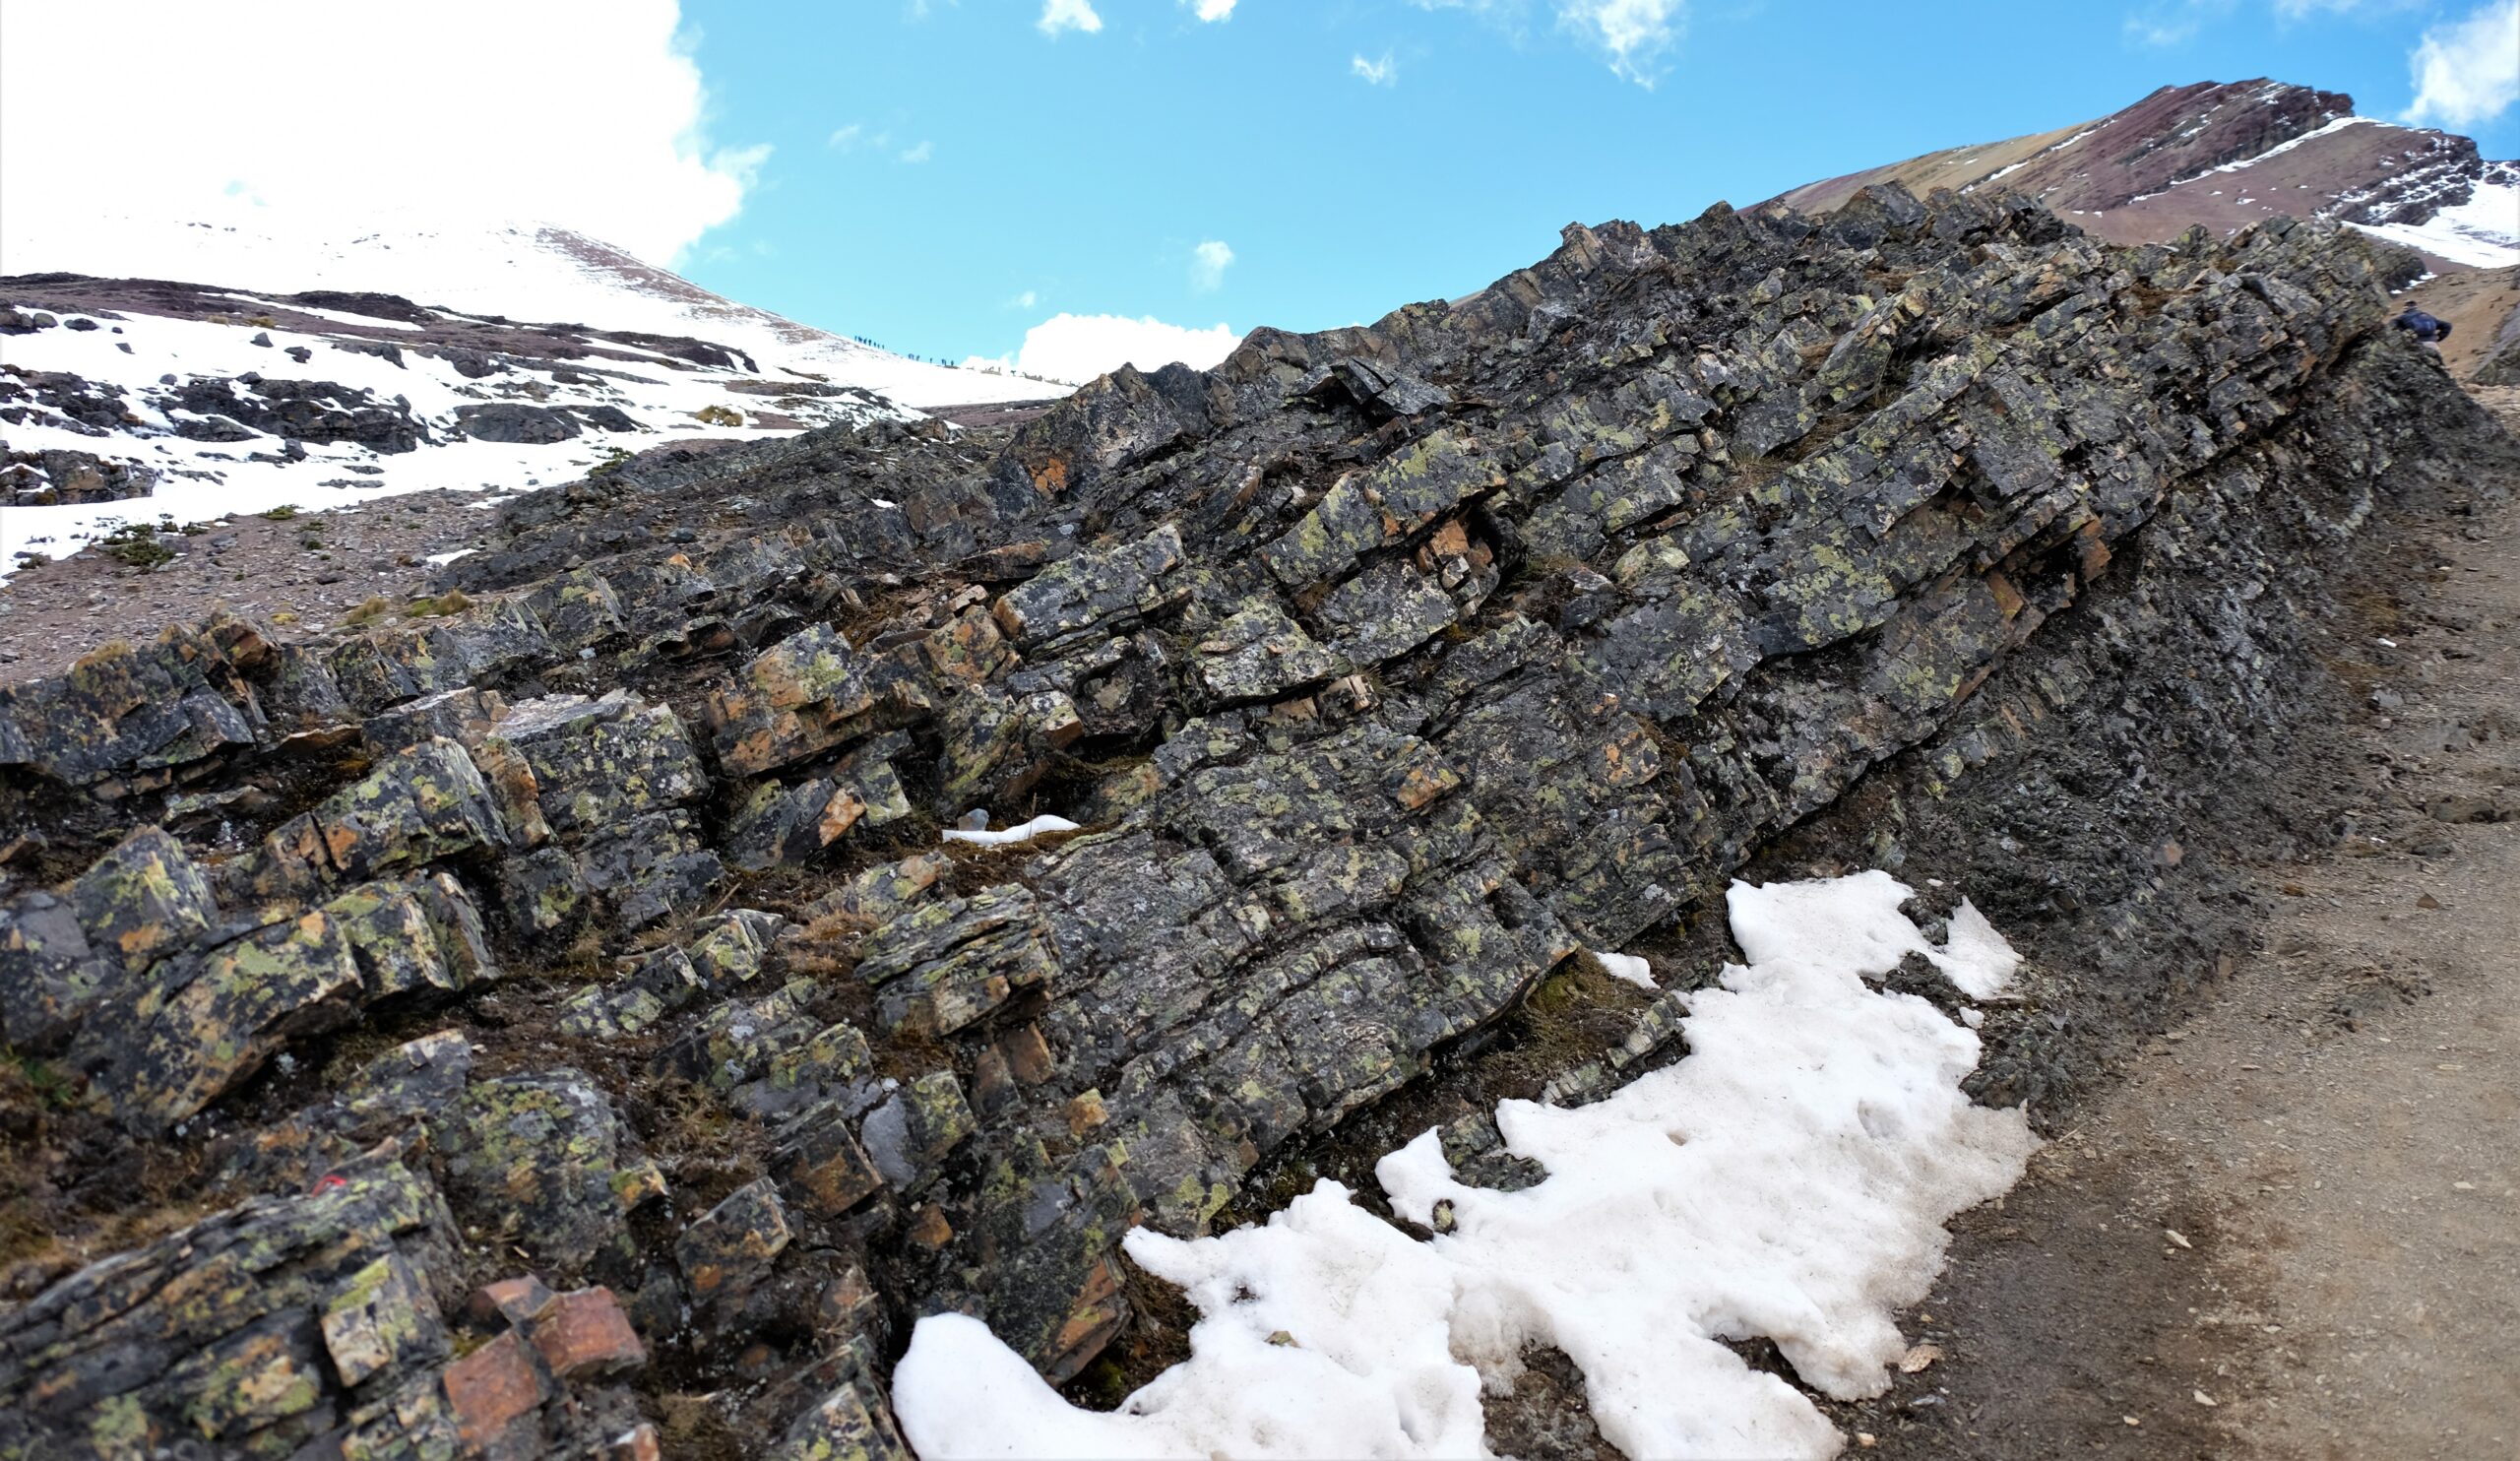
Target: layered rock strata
<point x="1386" y="669"/>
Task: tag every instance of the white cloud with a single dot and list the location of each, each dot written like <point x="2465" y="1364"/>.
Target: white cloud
<point x="1208" y="263"/>
<point x="1024" y="300"/>
<point x="845" y="137"/>
<point x="2294" y="9"/>
<point x="1212" y="10"/>
<point x="1635" y="33"/>
<point x="1508" y="12"/>
<point x="1081" y="346"/>
<point x="2161" y="30"/>
<point x="1380" y="72"/>
<point x="1068" y="15"/>
<point x="355" y="111"/>
<point x="919" y="153"/>
<point x="2468" y="72"/>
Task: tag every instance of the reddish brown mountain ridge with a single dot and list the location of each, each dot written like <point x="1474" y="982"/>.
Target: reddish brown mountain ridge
<point x="2226" y="154"/>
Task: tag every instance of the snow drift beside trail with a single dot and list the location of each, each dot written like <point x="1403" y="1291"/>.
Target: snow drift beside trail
<point x="1788" y="1178"/>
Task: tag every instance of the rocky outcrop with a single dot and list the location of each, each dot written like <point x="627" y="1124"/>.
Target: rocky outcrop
<point x="1384" y="671"/>
<point x="329" y="1322"/>
<point x="48" y="477"/>
<point x="211" y="409"/>
<point x="510" y="421"/>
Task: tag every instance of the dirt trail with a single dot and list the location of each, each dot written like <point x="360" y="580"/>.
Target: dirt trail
<point x="2292" y="1228"/>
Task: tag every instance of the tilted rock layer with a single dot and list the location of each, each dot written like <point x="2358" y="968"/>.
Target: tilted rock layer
<point x="600" y="929"/>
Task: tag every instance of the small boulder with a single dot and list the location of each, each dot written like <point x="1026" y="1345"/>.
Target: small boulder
<point x="515" y="423"/>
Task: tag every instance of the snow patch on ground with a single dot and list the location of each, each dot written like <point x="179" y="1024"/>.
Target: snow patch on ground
<point x="1020" y="832"/>
<point x="1628" y="967"/>
<point x="1788" y="1178"/>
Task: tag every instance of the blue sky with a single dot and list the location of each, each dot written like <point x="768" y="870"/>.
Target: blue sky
<point x="942" y="176"/>
<point x="1078" y="179"/>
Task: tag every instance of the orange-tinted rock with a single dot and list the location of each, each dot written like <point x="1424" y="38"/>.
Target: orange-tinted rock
<point x="493" y="1388"/>
<point x="584" y="1333"/>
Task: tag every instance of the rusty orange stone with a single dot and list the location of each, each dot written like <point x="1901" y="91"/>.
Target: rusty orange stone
<point x="1426" y="782"/>
<point x="1028" y="1056"/>
<point x="929" y="1230"/>
<point x="516" y="1300"/>
<point x="585" y="1332"/>
<point x="493" y="1388"/>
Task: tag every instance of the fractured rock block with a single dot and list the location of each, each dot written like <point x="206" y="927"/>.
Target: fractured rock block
<point x="250" y="1331"/>
<point x="207" y="1021"/>
<point x="143" y="900"/>
<point x="532" y="1159"/>
<point x="577" y="607"/>
<point x="998" y="742"/>
<point x="727" y="949"/>
<point x="879" y="894"/>
<point x="597" y="763"/>
<point x="827" y="1165"/>
<point x="1385" y="611"/>
<point x="802" y="695"/>
<point x="418" y="805"/>
<point x="788" y="824"/>
<point x="584" y="1333"/>
<point x="909" y="1135"/>
<point x="947" y="964"/>
<point x="730" y="1251"/>
<point x="385" y="667"/>
<point x="851" y="1423"/>
<point x="494" y="1393"/>
<point x="1102" y="590"/>
<point x="1260" y="653"/>
<point x="659" y="982"/>
<point x="734" y="1043"/>
<point x="49" y="975"/>
<point x="125" y="718"/>
<point x="377" y="1104"/>
<point x="463" y="715"/>
<point x="420" y="935"/>
<point x="645" y="871"/>
<point x="383" y="1318"/>
<point x="1383" y="503"/>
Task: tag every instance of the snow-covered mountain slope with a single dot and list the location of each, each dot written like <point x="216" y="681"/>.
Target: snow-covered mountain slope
<point x="518" y="271"/>
<point x="326" y="366"/>
<point x="2229" y="155"/>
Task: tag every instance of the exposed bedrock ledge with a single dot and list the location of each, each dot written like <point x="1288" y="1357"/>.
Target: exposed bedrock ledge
<point x="1385" y="669"/>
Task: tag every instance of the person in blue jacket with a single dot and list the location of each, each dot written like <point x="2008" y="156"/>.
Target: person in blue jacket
<point x="2422" y="327"/>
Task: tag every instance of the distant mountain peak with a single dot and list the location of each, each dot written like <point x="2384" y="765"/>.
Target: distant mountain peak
<point x="2229" y="154"/>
